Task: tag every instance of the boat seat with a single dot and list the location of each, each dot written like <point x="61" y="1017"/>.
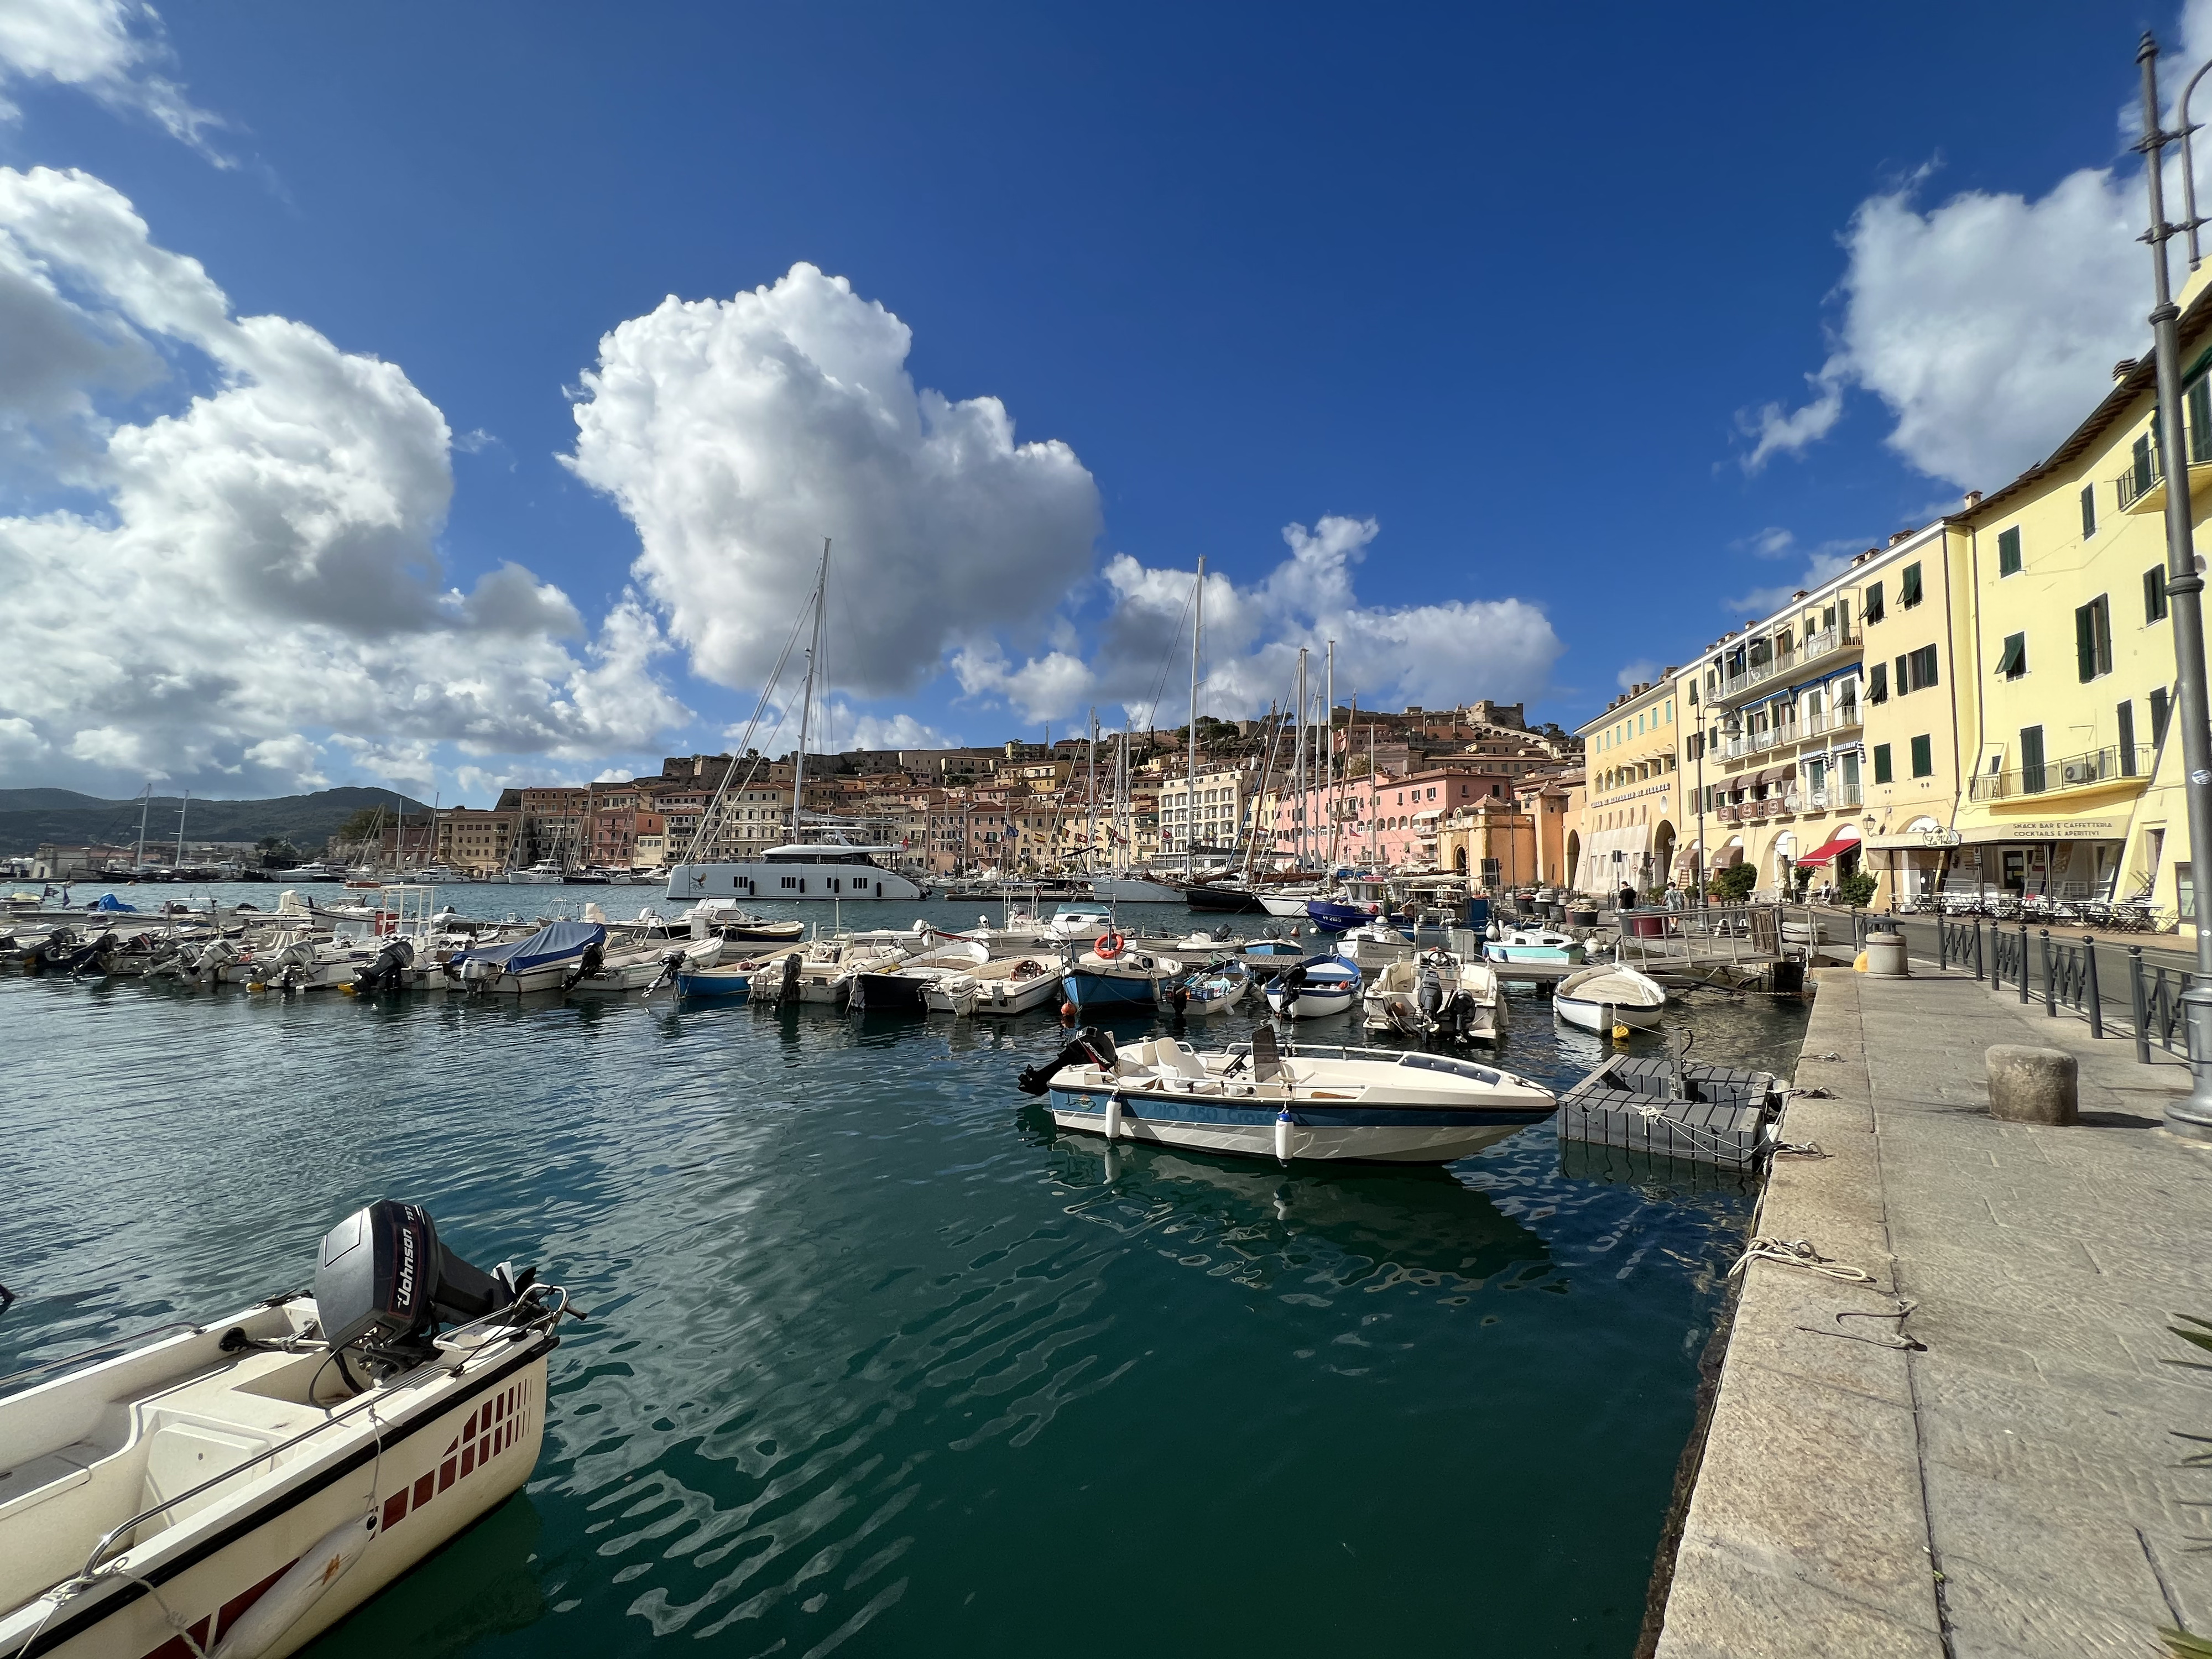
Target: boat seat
<point x="1183" y="1059"/>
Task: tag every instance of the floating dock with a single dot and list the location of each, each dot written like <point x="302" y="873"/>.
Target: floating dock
<point x="1705" y="1114"/>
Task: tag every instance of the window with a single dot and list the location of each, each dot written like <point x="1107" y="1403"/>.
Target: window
<point x="1908" y="587"/>
<point x="1916" y="670"/>
<point x="2127" y="734"/>
<point x="2157" y="713"/>
<point x="1923" y="757"/>
<point x="1881" y="762"/>
<point x="2154" y="594"/>
<point x="2184" y="892"/>
<point x="2142" y="470"/>
<point x="1878" y="683"/>
<point x="2013" y="663"/>
<point x="2088" y="511"/>
<point x="2198" y="399"/>
<point x="2031" y="760"/>
<point x="2093" y="637"/>
<point x="2009" y="551"/>
<point x="1872" y="612"/>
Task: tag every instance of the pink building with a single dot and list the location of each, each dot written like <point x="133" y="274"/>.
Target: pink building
<point x="1384" y="823"/>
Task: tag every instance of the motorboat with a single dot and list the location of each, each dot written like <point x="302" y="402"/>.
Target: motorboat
<point x="1003" y="984"/>
<point x="543" y="873"/>
<point x="1612" y="994"/>
<point x="1133" y="889"/>
<point x="898" y="986"/>
<point x="546" y="961"/>
<point x="1437" y="993"/>
<point x="733" y="983"/>
<point x="1269" y="957"/>
<point x="1286" y="901"/>
<point x="809" y="870"/>
<point x="1213" y="989"/>
<point x="237" y="1486"/>
<point x="1115" y="978"/>
<point x="1315" y="988"/>
<point x="1377" y="932"/>
<point x="1534" y="944"/>
<point x="624" y="973"/>
<point x="725" y="918"/>
<point x="1198" y="940"/>
<point x="1259" y="1100"/>
<point x="821" y="973"/>
<point x="1080" y="921"/>
<point x="317" y="871"/>
<point x="1359" y="902"/>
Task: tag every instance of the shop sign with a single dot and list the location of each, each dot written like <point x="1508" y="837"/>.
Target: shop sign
<point x="2048" y="829"/>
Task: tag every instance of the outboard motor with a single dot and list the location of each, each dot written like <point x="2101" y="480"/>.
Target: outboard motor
<point x="591" y="962"/>
<point x="787" y="991"/>
<point x="384" y="1283"/>
<point x="1089" y="1045"/>
<point x="56" y="949"/>
<point x="214" y="957"/>
<point x="388" y="971"/>
<point x="1430" y="994"/>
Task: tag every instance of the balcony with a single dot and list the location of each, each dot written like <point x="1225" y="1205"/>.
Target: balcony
<point x="2096" y="769"/>
<point x="1807" y="654"/>
<point x="2142" y="487"/>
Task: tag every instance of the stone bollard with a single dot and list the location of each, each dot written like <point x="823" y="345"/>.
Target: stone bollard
<point x="1885" y="956"/>
<point x="2033" y="1086"/>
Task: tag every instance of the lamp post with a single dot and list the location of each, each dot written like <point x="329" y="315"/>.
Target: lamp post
<point x="2191" y="1116"/>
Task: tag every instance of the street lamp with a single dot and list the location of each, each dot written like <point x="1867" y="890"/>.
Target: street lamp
<point x="2192" y="1116"/>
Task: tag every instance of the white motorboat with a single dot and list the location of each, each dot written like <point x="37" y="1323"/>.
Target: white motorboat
<point x="1253" y="1100"/>
<point x="543" y="873"/>
<point x="1612" y="994"/>
<point x="1215" y="989"/>
<point x="821" y="973"/>
<point x="1437" y="993"/>
<point x="1315" y="988"/>
<point x="1072" y="922"/>
<point x="899" y="987"/>
<point x="726" y="919"/>
<point x="237" y="1487"/>
<point x="1378" y="933"/>
<point x="625" y="973"/>
<point x="1003" y="984"/>
<point x="546" y="961"/>
<point x="1534" y="944"/>
<point x="315" y="871"/>
<point x="1118" y="978"/>
<point x="1286" y="901"/>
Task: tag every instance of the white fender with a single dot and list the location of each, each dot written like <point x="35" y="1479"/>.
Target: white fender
<point x="290" y="1597"/>
<point x="1112" y="1117"/>
<point x="1283" y="1135"/>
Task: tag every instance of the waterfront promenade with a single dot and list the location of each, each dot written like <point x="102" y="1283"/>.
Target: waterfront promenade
<point x="1970" y="1452"/>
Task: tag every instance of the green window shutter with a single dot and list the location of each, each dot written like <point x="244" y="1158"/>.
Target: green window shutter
<point x="1904" y="674"/>
<point x="1873" y="610"/>
<point x="2101" y="611"/>
<point x="2013" y="663"/>
<point x="1925" y="662"/>
<point x="2085" y="642"/>
<point x="2200" y="420"/>
<point x="1881" y="762"/>
<point x="1908" y="586"/>
<point x="2159" y="709"/>
<point x="1923" y="757"/>
<point x="2127" y="736"/>
<point x="2140" y="475"/>
<point x="2154" y="594"/>
<point x="1878" y="683"/>
<point x="2031" y="759"/>
<point x="2009" y="551"/>
<point x="2088" y="511"/>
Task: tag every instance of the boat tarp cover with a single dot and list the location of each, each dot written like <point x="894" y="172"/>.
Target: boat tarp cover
<point x="554" y="942"/>
<point x="109" y="902"/>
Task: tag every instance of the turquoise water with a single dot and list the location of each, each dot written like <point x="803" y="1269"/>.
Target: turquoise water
<point x="879" y="1365"/>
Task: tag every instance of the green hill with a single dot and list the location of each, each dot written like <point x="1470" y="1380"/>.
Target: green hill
<point x="28" y="817"/>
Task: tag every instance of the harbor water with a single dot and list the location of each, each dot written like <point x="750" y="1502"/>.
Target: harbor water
<point x="876" y="1362"/>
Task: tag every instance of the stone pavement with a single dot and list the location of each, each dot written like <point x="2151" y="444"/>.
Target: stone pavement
<point x="2009" y="1487"/>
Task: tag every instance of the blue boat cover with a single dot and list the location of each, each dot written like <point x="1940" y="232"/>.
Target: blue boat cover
<point x="1338" y="967"/>
<point x="555" y="942"/>
<point x="109" y="902"/>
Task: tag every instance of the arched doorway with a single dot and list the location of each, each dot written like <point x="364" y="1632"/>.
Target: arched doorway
<point x="1459" y="859"/>
<point x="1662" y="855"/>
<point x="1567" y="877"/>
<point x="1784" y="853"/>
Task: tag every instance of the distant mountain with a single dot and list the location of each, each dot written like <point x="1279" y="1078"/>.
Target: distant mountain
<point x="28" y="817"/>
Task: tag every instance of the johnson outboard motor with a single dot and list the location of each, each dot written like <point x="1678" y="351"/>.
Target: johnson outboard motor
<point x="389" y="971"/>
<point x="1429" y="996"/>
<point x="788" y="992"/>
<point x="1089" y="1046"/>
<point x="384" y="1283"/>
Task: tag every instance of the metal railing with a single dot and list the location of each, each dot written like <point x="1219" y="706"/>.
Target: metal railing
<point x="2154" y="996"/>
<point x="2116" y="763"/>
<point x="2140" y="479"/>
<point x="1959" y="944"/>
<point x="1810" y="650"/>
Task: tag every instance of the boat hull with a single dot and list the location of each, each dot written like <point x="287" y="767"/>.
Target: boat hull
<point x="1602" y="1017"/>
<point x="1018" y="996"/>
<point x="440" y="1470"/>
<point x="1377" y="1136"/>
<point x="890" y="993"/>
<point x="1334" y="918"/>
<point x="1089" y="990"/>
<point x="1224" y="900"/>
<point x="765" y="878"/>
<point x="1313" y="1002"/>
<point x="714" y="985"/>
<point x="1133" y="890"/>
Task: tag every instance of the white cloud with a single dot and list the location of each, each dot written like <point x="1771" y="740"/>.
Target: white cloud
<point x="852" y="731"/>
<point x="110" y="49"/>
<point x="262" y="561"/>
<point x="1642" y="671"/>
<point x="1822" y="561"/>
<point x="292" y="756"/>
<point x="20" y="741"/>
<point x="736" y="434"/>
<point x="1435" y="655"/>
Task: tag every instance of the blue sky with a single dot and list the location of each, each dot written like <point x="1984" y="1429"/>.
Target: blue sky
<point x="1483" y="305"/>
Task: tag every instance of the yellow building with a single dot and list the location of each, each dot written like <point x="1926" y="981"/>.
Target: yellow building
<point x="1631" y="813"/>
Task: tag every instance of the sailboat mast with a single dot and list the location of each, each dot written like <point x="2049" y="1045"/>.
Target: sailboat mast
<point x="145" y="801"/>
<point x="1328" y="752"/>
<point x="181" y="806"/>
<point x="1190" y="783"/>
<point x="806" y="697"/>
<point x="1091" y="790"/>
<point x="1298" y="768"/>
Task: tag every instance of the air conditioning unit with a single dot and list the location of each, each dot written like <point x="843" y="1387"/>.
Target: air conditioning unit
<point x="2079" y="771"/>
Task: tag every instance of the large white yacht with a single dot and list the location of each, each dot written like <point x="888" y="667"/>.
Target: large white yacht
<point x="798" y="870"/>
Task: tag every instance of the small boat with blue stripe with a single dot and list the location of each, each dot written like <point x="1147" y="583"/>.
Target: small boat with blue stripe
<point x="1315" y="988"/>
<point x="1290" y="1103"/>
<point x="1118" y="979"/>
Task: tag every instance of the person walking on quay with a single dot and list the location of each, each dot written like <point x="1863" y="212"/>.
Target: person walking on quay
<point x="1626" y="901"/>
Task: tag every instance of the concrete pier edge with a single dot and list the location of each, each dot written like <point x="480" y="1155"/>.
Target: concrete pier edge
<point x="1967" y="1450"/>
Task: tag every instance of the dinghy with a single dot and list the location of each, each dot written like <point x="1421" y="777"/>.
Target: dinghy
<point x="238" y="1486"/>
<point x="1315" y="988"/>
<point x="1115" y="979"/>
<point x="1598" y="999"/>
<point x="1256" y="1100"/>
<point x="1006" y="985"/>
<point x="1534" y="944"/>
<point x="897" y="987"/>
<point x="546" y="961"/>
<point x="1215" y="989"/>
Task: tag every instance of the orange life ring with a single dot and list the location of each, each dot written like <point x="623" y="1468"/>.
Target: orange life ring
<point x="1110" y="946"/>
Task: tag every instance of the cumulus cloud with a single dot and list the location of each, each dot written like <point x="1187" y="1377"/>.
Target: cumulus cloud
<point x="1642" y="671"/>
<point x="736" y="434"/>
<point x="850" y="731"/>
<point x="262" y="562"/>
<point x="114" y="50"/>
<point x="1435" y="654"/>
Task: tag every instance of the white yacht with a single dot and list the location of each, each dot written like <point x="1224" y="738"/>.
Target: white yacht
<point x="800" y="869"/>
<point x="543" y="873"/>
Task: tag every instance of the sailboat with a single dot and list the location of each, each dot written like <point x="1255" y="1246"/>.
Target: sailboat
<point x="799" y="869"/>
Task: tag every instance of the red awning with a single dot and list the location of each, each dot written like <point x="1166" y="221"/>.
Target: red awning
<point x="1828" y="849"/>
